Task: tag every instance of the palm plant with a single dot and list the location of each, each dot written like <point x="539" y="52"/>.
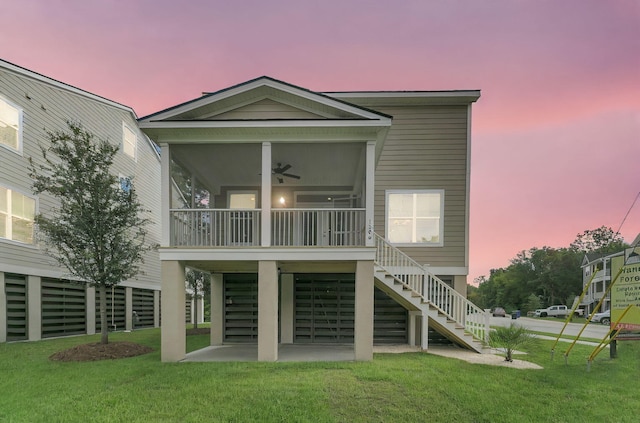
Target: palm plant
<point x="510" y="338"/>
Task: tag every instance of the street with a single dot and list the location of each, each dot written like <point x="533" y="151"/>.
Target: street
<point x="593" y="330"/>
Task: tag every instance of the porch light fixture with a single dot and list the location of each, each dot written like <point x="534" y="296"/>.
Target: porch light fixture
<point x="282" y="201"/>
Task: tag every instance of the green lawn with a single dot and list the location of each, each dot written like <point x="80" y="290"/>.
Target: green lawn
<point x="412" y="387"/>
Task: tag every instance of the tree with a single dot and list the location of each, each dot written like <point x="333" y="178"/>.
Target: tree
<point x="510" y="338"/>
<point x="97" y="232"/>
<point x="601" y="240"/>
<point x="199" y="283"/>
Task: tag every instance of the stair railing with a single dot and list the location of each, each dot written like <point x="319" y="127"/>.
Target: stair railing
<point x="432" y="289"/>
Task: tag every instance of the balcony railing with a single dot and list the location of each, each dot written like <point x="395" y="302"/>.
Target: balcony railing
<point x="289" y="227"/>
<point x="215" y="227"/>
<point x="317" y="227"/>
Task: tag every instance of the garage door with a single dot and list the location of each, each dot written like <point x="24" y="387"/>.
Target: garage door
<point x="324" y="308"/>
<point x="241" y="308"/>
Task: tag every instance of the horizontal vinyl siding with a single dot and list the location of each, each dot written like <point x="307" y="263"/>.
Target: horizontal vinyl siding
<point x="47" y="108"/>
<point x="426" y="148"/>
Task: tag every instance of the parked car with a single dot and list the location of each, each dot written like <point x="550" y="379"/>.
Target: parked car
<point x="538" y="312"/>
<point x="499" y="312"/>
<point x="604" y="317"/>
<point x="555" y="311"/>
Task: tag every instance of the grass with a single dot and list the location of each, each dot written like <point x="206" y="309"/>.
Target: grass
<point x="412" y="387"/>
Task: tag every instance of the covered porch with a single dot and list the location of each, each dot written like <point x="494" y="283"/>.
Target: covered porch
<point x="266" y="317"/>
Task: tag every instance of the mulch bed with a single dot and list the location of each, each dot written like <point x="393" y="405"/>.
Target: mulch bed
<point x="97" y="351"/>
<point x="199" y="331"/>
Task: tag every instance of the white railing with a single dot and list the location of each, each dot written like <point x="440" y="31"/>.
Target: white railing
<point x="289" y="227"/>
<point x="440" y="295"/>
<point x="214" y="227"/>
<point x="317" y="227"/>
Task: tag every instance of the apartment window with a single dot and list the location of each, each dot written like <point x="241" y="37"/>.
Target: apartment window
<point x="17" y="213"/>
<point x="125" y="183"/>
<point x="10" y="125"/>
<point x="415" y="217"/>
<point x="129" y="141"/>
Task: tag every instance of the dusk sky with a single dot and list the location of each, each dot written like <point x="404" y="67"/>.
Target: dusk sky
<point x="556" y="132"/>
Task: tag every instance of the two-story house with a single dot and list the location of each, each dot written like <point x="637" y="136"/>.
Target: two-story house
<point x="337" y="217"/>
<point x="37" y="299"/>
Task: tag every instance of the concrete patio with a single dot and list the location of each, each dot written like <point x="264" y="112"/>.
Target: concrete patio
<point x="286" y="352"/>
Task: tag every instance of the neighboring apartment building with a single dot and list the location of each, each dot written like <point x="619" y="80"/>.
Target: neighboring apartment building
<point x="323" y="217"/>
<point x="36" y="299"/>
<point x="596" y="270"/>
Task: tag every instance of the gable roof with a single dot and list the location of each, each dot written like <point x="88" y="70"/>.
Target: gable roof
<point x="283" y="90"/>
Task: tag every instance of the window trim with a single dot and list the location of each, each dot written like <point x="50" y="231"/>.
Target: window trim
<point x="441" y="192"/>
<point x="126" y="127"/>
<point x="20" y="127"/>
<point x="36" y="205"/>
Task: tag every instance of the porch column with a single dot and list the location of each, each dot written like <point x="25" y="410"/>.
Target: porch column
<point x="3" y="310"/>
<point x="156" y="309"/>
<point x="267" y="311"/>
<point x="34" y="306"/>
<point x="460" y="284"/>
<point x="424" y="331"/>
<point x="128" y="308"/>
<point x="217" y="309"/>
<point x="370" y="192"/>
<point x="265" y="235"/>
<point x="363" y="318"/>
<point x="413" y="315"/>
<point x="90" y="293"/>
<point x="287" y="300"/>
<point x="173" y="330"/>
<point x="165" y="194"/>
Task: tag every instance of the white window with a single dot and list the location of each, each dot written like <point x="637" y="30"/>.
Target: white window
<point x="415" y="217"/>
<point x="17" y="213"/>
<point x="242" y="200"/>
<point x="129" y="141"/>
<point x="10" y="126"/>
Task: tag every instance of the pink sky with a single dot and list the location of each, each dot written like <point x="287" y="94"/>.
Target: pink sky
<point x="556" y="133"/>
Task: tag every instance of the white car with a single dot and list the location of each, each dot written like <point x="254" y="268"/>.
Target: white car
<point x="604" y="317"/>
<point x="537" y="312"/>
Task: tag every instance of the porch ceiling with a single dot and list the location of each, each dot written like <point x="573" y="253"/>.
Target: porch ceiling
<point x="238" y="165"/>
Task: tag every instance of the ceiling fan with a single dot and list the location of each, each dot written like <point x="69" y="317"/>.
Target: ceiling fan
<point x="281" y="171"/>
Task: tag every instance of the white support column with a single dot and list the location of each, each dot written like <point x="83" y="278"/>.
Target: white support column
<point x="217" y="309"/>
<point x="90" y="292"/>
<point x="265" y="235"/>
<point x="34" y="306"/>
<point x="3" y="310"/>
<point x="487" y="324"/>
<point x="363" y="316"/>
<point x="128" y="308"/>
<point x="413" y="315"/>
<point x="267" y="311"/>
<point x="424" y="331"/>
<point x="165" y="194"/>
<point x="370" y="191"/>
<point x="156" y="309"/>
<point x="287" y="300"/>
<point x="173" y="330"/>
<point x="460" y="284"/>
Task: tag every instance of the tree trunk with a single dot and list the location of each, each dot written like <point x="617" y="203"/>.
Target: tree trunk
<point x="195" y="308"/>
<point x="104" y="329"/>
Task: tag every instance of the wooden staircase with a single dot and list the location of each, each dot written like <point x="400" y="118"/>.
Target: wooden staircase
<point x="413" y="286"/>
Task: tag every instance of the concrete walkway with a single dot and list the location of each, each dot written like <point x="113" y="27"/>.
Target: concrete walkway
<point x="286" y="352"/>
